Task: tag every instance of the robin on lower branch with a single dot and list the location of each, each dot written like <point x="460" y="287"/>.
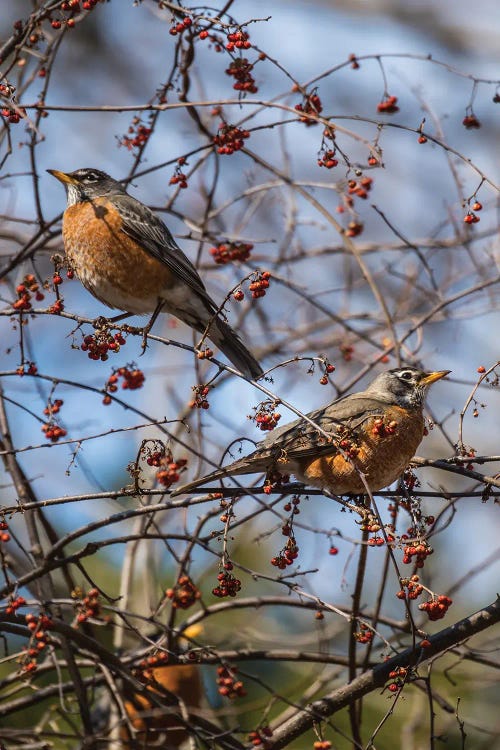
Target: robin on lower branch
<point x="127" y="258"/>
<point x="374" y="434"/>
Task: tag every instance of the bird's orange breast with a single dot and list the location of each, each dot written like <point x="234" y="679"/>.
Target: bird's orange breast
<point x="111" y="265"/>
<point x="380" y="452"/>
<point x="153" y="722"/>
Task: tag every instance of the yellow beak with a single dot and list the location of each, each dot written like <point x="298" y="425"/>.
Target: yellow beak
<point x="67" y="179"/>
<point x="431" y="377"/>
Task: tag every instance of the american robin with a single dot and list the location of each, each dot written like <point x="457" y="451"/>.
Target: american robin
<point x="164" y="726"/>
<point x="127" y="258"/>
<point x="375" y="433"/>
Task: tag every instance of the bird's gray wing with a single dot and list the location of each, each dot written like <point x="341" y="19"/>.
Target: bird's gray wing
<point x="300" y="439"/>
<point x="143" y="226"/>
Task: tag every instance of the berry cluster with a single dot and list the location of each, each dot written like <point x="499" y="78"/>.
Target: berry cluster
<point x="200" y="397"/>
<point x="360" y="188"/>
<point x="73" y="7"/>
<point x="467" y="452"/>
<point x="419" y="551"/>
<point x="436" y="607"/>
<point x="53" y="432"/>
<point x="179" y="178"/>
<point x="100" y="343"/>
<point x="311" y="104"/>
<point x="170" y="471"/>
<point x="364" y="634"/>
<point x="138" y="135"/>
<point x="229" y="686"/>
<point x="346" y="350"/>
<point x="13" y="115"/>
<point x="57" y="307"/>
<point x="184" y="594"/>
<point x="205" y="353"/>
<point x="354" y="228"/>
<point x="291" y="506"/>
<point x="290" y="551"/>
<point x="388" y="105"/>
<point x="347" y="443"/>
<point x="226" y="252"/>
<point x="229" y="138"/>
<point x="259" y="286"/>
<point x="181" y="26"/>
<point x="241" y="70"/>
<point x="376" y="541"/>
<point x="411" y="481"/>
<point x="86" y="4"/>
<point x="326" y="158"/>
<point x="227" y="515"/>
<point x="54" y="408"/>
<point x="471" y="122"/>
<point x="354" y="61"/>
<point x="382" y="429"/>
<point x="88" y="607"/>
<point x="228" y="584"/>
<point x="287" y="556"/>
<point x="397" y="679"/>
<point x="14" y="605"/>
<point x="238" y="40"/>
<point x="322" y="745"/>
<point x="265" y="417"/>
<point x="274" y="481"/>
<point x="25" y="290"/>
<point x="154" y="456"/>
<point x="133" y="378"/>
<point x="260" y="736"/>
<point x="38" y="641"/>
<point x="470" y="217"/>
<point x="412" y="585"/>
<point x="28" y="368"/>
<point x="328" y="371"/>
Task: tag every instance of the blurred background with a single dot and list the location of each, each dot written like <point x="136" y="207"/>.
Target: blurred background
<point x="421" y="286"/>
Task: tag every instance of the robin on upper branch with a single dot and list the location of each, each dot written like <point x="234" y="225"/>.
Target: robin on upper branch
<point x="374" y="434"/>
<point x="127" y="258"/>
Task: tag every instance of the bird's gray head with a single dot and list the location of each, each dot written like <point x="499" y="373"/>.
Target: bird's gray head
<point x="86" y="184"/>
<point x="404" y="386"/>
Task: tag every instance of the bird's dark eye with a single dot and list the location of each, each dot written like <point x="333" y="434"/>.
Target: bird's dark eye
<point x="92" y="177"/>
<point x="406" y="375"/>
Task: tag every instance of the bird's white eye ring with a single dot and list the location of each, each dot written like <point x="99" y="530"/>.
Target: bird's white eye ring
<point x="406" y="375"/>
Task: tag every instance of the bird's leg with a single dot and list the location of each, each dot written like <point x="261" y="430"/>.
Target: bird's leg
<point x="151" y="323"/>
<point x="143" y="330"/>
